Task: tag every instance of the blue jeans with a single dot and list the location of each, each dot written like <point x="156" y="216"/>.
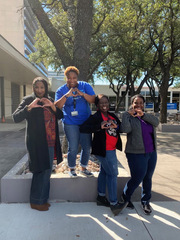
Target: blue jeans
<point x="40" y="184"/>
<point x="142" y="167"/>
<point x="108" y="176"/>
<point x="74" y="138"/>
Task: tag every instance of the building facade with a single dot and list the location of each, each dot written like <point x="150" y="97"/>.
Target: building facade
<point x="57" y="80"/>
<point x="17" y="31"/>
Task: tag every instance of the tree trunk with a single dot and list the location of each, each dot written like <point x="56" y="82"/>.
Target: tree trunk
<point x="118" y="102"/>
<point x="157" y="104"/>
<point x="163" y="91"/>
<point x="163" y="108"/>
<point x="82" y="36"/>
<point x="117" y="105"/>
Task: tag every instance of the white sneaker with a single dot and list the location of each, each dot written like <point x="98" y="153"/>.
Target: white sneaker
<point x="73" y="174"/>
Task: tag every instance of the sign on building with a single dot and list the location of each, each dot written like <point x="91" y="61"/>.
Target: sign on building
<point x="172" y="107"/>
<point x="149" y="106"/>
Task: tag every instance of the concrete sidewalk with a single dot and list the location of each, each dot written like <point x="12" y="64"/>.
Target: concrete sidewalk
<point x="166" y="178"/>
<point x="12" y="127"/>
<point x="71" y="221"/>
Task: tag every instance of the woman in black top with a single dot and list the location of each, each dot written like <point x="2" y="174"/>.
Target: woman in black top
<point x="106" y="140"/>
<point x="42" y="139"/>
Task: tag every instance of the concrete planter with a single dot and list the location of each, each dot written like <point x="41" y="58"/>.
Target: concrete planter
<point x="15" y="186"/>
<point x="163" y="127"/>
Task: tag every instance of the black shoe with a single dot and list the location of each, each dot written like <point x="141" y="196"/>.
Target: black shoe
<point x="130" y="204"/>
<point x="102" y="201"/>
<point x="118" y="207"/>
<point x="146" y="208"/>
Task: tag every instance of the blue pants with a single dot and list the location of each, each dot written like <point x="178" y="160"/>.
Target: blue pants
<point x="74" y="138"/>
<point x="141" y="168"/>
<point x="108" y="176"/>
<point x="40" y="184"/>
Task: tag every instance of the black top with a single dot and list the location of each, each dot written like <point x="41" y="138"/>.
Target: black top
<point x="36" y="142"/>
<point x="93" y="125"/>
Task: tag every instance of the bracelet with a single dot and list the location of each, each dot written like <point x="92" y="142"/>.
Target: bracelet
<point x="28" y="109"/>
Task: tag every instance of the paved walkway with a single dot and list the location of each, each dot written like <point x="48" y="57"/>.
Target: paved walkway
<point x="87" y="221"/>
<point x="166" y="179"/>
<point x="70" y="221"/>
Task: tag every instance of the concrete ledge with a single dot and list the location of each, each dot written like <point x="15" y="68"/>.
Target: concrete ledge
<point x="169" y="128"/>
<point x="15" y="187"/>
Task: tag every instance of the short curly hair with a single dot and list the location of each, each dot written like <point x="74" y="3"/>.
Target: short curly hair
<point x="98" y="97"/>
<point x="71" y="69"/>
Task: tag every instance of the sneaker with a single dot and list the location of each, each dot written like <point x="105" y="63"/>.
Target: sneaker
<point x="86" y="173"/>
<point x="102" y="201"/>
<point x="146" y="208"/>
<point x="130" y="204"/>
<point x="72" y="174"/>
<point x="118" y="207"/>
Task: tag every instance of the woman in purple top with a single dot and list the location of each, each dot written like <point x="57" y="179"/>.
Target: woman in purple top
<point x="140" y="151"/>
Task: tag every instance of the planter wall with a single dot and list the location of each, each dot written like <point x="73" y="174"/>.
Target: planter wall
<point x="15" y="186"/>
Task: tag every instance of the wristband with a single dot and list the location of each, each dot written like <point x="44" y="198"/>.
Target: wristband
<point x="27" y="107"/>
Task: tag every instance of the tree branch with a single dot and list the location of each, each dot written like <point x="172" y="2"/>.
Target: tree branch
<point x="98" y="64"/>
<point x="50" y="31"/>
<point x="71" y="10"/>
<point x="99" y="25"/>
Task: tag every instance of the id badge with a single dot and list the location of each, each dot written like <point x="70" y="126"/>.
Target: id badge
<point x="74" y="113"/>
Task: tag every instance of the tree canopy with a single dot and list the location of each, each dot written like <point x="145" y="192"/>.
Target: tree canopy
<point x="71" y="33"/>
<point x="123" y="41"/>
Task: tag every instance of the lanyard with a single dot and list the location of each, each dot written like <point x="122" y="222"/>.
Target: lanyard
<point x="74" y="103"/>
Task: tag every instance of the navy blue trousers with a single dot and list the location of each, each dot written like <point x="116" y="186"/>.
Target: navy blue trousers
<point x="141" y="167"/>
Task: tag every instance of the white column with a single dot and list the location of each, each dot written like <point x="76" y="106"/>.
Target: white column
<point x="171" y="96"/>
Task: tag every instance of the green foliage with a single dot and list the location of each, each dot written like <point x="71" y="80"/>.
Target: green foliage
<point x="130" y="40"/>
<point x="127" y="36"/>
<point x="46" y="51"/>
<point x="177" y="83"/>
<point x="142" y="34"/>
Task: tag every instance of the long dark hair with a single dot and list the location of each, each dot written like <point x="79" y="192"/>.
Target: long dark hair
<point x="41" y="79"/>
